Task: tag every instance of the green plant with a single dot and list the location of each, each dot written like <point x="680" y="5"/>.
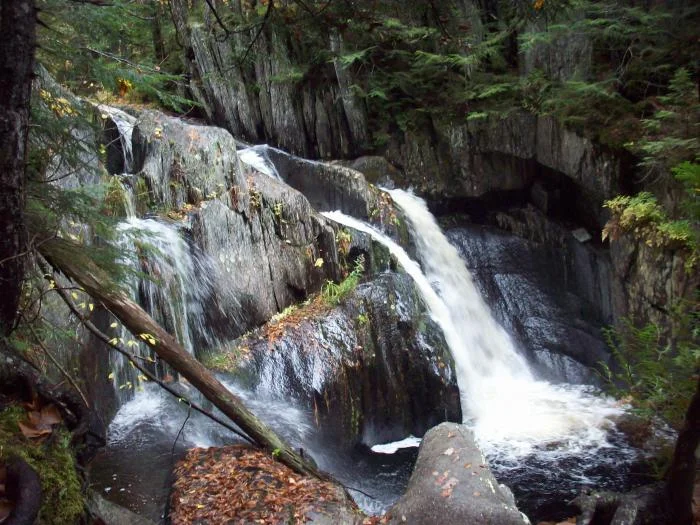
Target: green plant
<point x="643" y="217"/>
<point x="334" y="293"/>
<point x="659" y="377"/>
<point x="278" y="211"/>
<point x="343" y="239"/>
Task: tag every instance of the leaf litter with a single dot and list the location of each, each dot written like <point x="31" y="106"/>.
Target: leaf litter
<point x="241" y="485"/>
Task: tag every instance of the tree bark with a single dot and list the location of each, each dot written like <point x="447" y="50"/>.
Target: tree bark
<point x="17" y="43"/>
<point x="65" y="257"/>
<point x="157" y="33"/>
<point x="680" y="478"/>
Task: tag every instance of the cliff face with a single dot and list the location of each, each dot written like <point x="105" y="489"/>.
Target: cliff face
<point x="282" y="95"/>
<point x="285" y="96"/>
<point x="270" y="100"/>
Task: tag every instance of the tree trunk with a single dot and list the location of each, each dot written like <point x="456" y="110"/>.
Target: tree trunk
<point x="157" y="33"/>
<point x="65" y="257"/>
<point x="17" y="43"/>
<point x="680" y="478"/>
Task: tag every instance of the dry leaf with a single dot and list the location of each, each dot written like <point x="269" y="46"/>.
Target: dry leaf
<point x="31" y="431"/>
<point x="50" y="415"/>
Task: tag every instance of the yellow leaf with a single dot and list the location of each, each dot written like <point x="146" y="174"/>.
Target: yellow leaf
<point x="319" y="262"/>
<point x="111" y="375"/>
<point x="114" y="341"/>
<point x="113" y="325"/>
<point x="74" y="295"/>
<point x="91" y="307"/>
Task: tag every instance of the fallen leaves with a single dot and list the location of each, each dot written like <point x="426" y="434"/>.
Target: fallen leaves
<point x="238" y="484"/>
<point x="40" y="420"/>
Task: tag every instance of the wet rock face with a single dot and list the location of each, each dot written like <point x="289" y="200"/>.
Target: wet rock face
<point x="184" y="163"/>
<point x="374" y="369"/>
<point x="479" y="158"/>
<point x="652" y="281"/>
<point x="269" y="101"/>
<point x="265" y="254"/>
<point x="528" y="291"/>
<point x="327" y="186"/>
<point x="451" y="483"/>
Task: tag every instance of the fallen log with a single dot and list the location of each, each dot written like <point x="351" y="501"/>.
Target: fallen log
<point x="65" y="257"/>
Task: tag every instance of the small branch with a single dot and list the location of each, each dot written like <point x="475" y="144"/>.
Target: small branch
<point x="58" y="365"/>
<point x="260" y="30"/>
<point x="106" y="340"/>
<point x="218" y="19"/>
<point x="121" y="59"/>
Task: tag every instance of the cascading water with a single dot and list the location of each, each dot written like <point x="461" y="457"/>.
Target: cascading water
<point x="125" y="125"/>
<point x="515" y="416"/>
<point x="256" y="158"/>
<point x="171" y="280"/>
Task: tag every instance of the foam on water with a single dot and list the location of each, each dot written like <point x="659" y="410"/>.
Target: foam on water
<point x="391" y="448"/>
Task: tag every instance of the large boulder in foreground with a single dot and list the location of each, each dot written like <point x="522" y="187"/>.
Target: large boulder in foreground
<point x="451" y="483"/>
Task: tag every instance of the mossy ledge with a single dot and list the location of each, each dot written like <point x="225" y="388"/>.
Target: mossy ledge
<point x="63" y="501"/>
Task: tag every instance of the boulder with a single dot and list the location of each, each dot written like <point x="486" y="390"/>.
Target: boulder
<point x="264" y="256"/>
<point x="451" y="483"/>
<point x="104" y="511"/>
<point x="375" y="368"/>
<point x="184" y="163"/>
<point x="327" y="186"/>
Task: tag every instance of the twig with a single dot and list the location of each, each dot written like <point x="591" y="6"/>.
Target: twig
<point x="260" y="30"/>
<point x="58" y="365"/>
<point x="218" y="19"/>
<point x="105" y="339"/>
<point x="361" y="492"/>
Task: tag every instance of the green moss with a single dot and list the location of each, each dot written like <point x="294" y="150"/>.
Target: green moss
<point x="63" y="501"/>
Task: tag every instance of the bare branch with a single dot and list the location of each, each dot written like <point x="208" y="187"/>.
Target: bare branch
<point x="58" y="365"/>
<point x="260" y="29"/>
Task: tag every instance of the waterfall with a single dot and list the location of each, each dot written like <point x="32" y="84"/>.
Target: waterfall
<point x="510" y="411"/>
<point x="169" y="281"/>
<point x="176" y="283"/>
<point x="257" y="158"/>
<point x="125" y="125"/>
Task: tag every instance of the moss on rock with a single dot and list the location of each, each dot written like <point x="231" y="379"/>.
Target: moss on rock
<point x="62" y="498"/>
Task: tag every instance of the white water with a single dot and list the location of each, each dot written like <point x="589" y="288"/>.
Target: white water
<point x="391" y="448"/>
<point x="511" y="412"/>
<point x="155" y="414"/>
<point x="125" y="124"/>
<point x="257" y="159"/>
<point x="178" y="284"/>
